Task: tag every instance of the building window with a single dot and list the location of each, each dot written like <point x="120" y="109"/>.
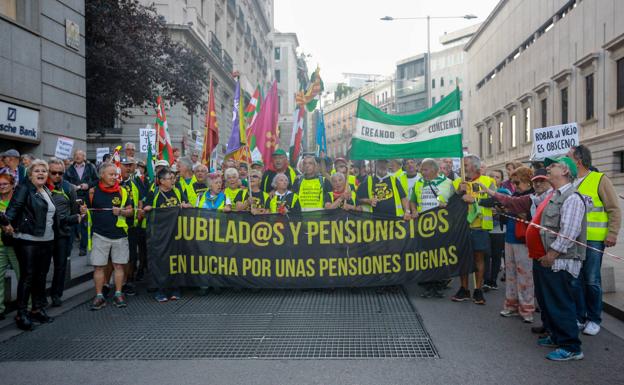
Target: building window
<point x="564" y="105"/>
<point x="22" y="11"/>
<point x="441" y="82"/>
<point x="544" y="111"/>
<point x="527" y="125"/>
<point x="278" y="53"/>
<point x="619" y="159"/>
<point x="480" y="144"/>
<point x="433" y="100"/>
<point x="501" y="135"/>
<point x="277" y="75"/>
<point x="279" y="104"/>
<point x="513" y="131"/>
<point x="620" y="83"/>
<point x="432" y="83"/>
<point x="589" y="96"/>
<point x="490" y="140"/>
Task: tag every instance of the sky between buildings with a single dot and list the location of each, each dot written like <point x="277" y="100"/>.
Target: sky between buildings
<point x="347" y="35"/>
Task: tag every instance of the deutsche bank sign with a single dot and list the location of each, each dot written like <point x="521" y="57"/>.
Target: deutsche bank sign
<point x="19" y="123"/>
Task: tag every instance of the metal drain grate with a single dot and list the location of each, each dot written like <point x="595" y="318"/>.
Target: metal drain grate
<point x="271" y="324"/>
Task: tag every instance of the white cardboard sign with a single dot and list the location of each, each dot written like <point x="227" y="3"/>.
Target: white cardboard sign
<point x="64" y="148"/>
<point x="554" y="140"/>
<point x="144" y="133"/>
<point x="99" y="154"/>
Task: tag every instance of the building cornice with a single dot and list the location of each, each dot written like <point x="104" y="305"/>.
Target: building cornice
<point x="541" y="88"/>
<point x="562" y="75"/>
<point x="614" y="43"/>
<point x="587" y="60"/>
<point x="510" y="106"/>
<point x="525" y="97"/>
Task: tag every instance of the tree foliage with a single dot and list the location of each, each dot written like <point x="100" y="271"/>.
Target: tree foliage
<point x="131" y="59"/>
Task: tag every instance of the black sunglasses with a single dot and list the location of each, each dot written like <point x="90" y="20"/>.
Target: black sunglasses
<point x="57" y="172"/>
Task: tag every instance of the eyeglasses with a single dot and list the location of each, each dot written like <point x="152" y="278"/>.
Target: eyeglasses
<point x="57" y="173"/>
<point x="255" y="177"/>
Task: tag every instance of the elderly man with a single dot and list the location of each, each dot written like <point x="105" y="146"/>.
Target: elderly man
<point x="481" y="222"/>
<point x="604" y="220"/>
<point x="559" y="263"/>
<point x="185" y="171"/>
<point x="83" y="176"/>
<point x="12" y="166"/>
<point x="130" y="150"/>
<point x="200" y="186"/>
<point x="111" y="205"/>
<point x="280" y="165"/>
<point x="383" y="193"/>
<point x="310" y="186"/>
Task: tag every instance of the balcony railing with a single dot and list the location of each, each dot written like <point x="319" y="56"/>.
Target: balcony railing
<point x="215" y="45"/>
<point x="228" y="64"/>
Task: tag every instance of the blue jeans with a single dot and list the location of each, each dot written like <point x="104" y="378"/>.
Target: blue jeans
<point x="558" y="308"/>
<point x="588" y="289"/>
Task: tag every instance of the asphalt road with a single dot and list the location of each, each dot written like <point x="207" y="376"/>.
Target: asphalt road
<point x="475" y="344"/>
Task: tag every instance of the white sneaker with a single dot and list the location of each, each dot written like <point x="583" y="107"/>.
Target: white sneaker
<point x="591" y="329"/>
<point x="581" y="325"/>
<point x="509" y="313"/>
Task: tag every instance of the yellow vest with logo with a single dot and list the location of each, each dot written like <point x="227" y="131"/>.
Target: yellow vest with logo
<point x="121" y="220"/>
<point x="418" y="187"/>
<point x="273" y="202"/>
<point x="395" y="194"/>
<point x="487" y="218"/>
<point x="184" y="185"/>
<point x="311" y="194"/>
<point x="597" y="217"/>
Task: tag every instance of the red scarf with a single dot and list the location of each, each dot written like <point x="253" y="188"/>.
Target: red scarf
<point x="50" y="185"/>
<point x="109" y="190"/>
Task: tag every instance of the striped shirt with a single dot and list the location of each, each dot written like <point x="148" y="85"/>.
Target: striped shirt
<point x="572" y="216"/>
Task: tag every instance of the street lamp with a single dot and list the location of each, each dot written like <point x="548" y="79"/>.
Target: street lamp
<point x="428" y="18"/>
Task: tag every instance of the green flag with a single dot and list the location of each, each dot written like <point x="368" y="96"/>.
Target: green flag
<point x="149" y="161"/>
<point x="433" y="133"/>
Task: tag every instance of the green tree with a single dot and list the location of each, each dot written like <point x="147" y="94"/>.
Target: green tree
<point x="131" y="59"/>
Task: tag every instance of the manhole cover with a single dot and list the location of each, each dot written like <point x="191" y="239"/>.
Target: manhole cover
<point x="270" y="324"/>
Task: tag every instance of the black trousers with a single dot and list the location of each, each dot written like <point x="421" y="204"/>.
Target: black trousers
<point x="34" y="262"/>
<point x="138" y="247"/>
<point x="62" y="248"/>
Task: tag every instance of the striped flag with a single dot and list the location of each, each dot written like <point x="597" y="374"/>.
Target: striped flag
<point x="433" y="133"/>
<point x="165" y="151"/>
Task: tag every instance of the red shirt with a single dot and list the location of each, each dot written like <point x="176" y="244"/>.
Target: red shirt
<point x="533" y="239"/>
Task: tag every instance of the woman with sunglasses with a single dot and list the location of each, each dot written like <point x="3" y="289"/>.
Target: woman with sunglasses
<point x="32" y="217"/>
<point x="68" y="212"/>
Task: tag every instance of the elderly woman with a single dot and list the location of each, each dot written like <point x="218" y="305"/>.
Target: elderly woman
<point x="519" y="287"/>
<point x="340" y="196"/>
<point x="283" y="201"/>
<point x="7" y="254"/>
<point x="214" y="198"/>
<point x="232" y="187"/>
<point x="32" y="217"/>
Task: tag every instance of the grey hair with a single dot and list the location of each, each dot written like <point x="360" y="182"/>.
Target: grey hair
<point x="56" y="161"/>
<point x="197" y="167"/>
<point x="430" y="162"/>
<point x="130" y="145"/>
<point x="565" y="167"/>
<point x="105" y="166"/>
<point x="231" y="172"/>
<point x="185" y="160"/>
<point x="337" y="175"/>
<point x="278" y="175"/>
<point x="35" y="163"/>
<point x="28" y="156"/>
<point x="476" y="161"/>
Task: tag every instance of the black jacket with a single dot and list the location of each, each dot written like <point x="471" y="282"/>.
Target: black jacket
<point x="28" y="209"/>
<point x="89" y="176"/>
<point x="64" y="198"/>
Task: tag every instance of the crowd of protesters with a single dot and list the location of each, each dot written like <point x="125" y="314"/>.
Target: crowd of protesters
<point x="549" y="222"/>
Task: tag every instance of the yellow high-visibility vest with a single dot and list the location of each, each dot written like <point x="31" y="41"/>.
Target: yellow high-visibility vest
<point x="597" y="217"/>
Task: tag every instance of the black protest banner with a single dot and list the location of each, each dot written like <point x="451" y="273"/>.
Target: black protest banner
<point x="333" y="248"/>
